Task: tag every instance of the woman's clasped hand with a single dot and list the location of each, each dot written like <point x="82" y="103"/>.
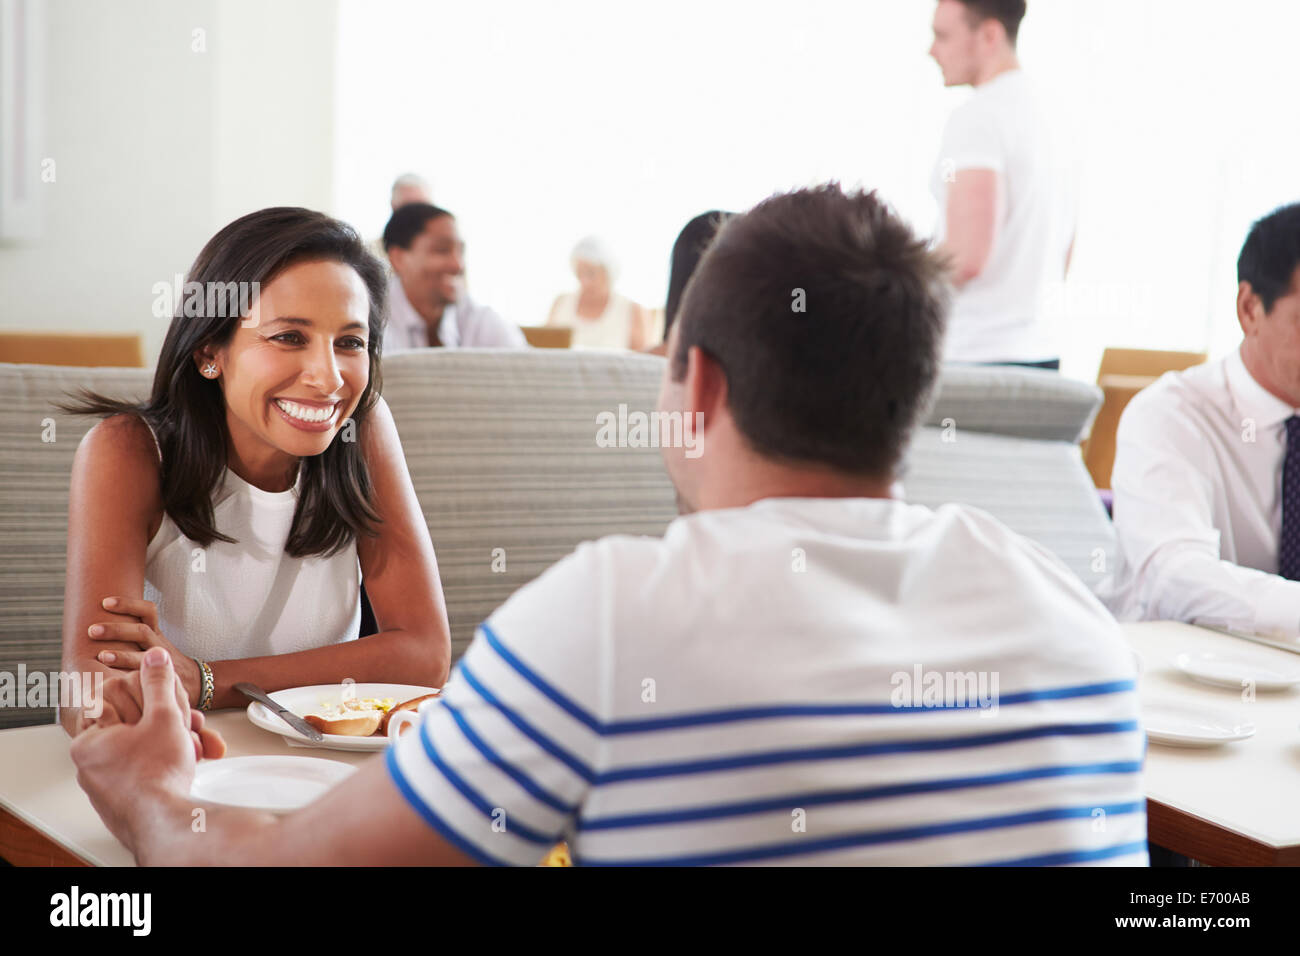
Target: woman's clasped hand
<point x="143" y="633"/>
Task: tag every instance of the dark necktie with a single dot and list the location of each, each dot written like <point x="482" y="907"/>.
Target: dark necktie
<point x="1288" y="545"/>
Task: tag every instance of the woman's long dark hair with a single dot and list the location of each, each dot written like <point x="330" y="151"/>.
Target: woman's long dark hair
<point x="687" y="252"/>
<point x="188" y="412"/>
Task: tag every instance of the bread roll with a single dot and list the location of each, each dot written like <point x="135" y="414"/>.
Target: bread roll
<point x="359" y="724"/>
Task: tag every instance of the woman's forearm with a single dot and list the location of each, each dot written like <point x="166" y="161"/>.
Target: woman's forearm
<point x="393" y="656"/>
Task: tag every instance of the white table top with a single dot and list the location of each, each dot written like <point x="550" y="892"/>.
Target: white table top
<point x="1249" y="787"/>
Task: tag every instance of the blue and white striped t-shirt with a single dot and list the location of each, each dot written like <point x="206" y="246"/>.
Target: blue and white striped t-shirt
<point x="801" y="681"/>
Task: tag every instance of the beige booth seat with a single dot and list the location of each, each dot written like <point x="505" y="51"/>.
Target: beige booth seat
<point x="502" y="450"/>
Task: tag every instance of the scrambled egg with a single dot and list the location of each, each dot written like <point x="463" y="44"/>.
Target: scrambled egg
<point x="355" y="705"/>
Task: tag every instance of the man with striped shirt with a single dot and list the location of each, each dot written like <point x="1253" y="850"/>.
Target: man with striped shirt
<point x="803" y="670"/>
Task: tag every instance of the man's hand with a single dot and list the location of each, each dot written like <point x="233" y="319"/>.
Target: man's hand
<point x="127" y="769"/>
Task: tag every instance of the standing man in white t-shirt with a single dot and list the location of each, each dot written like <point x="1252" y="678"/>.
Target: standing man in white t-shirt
<point x="1005" y="210"/>
<point x="802" y="670"/>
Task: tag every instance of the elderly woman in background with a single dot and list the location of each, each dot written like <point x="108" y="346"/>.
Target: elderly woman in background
<point x="599" y="316"/>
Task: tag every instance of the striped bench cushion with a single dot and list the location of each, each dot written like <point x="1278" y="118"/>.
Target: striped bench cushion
<point x="503" y="454"/>
<point x="1019" y="402"/>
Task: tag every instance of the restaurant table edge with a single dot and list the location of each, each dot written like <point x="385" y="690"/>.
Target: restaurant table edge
<point x="1244" y="819"/>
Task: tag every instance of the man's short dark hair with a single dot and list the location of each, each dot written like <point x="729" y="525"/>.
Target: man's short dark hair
<point x="408" y="222"/>
<point x="1270" y="255"/>
<point x="826" y="314"/>
<point x="1009" y="13"/>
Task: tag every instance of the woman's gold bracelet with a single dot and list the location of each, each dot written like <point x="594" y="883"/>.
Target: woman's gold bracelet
<point x="205" y="698"/>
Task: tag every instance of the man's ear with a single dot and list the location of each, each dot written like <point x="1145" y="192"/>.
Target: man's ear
<point x="1250" y="309"/>
<point x="397" y="258"/>
<point x="994" y="34"/>
<point x="704" y="384"/>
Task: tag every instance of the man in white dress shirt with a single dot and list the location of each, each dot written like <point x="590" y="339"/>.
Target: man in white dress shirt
<point x="427" y="301"/>
<point x="1207" y="465"/>
<point x="1005" y="209"/>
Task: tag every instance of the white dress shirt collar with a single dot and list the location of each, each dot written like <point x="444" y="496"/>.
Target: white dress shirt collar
<point x="407" y="329"/>
<point x="1252" y="399"/>
<point x="449" y="328"/>
<point x="464" y="324"/>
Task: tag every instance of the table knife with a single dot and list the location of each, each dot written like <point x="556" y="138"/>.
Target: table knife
<point x="256" y="693"/>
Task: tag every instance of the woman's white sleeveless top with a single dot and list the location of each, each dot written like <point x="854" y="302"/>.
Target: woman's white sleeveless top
<point x="612" y="330"/>
<point x="250" y="598"/>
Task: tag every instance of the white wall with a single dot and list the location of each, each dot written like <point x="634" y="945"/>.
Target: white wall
<point x="274" y="106"/>
<point x="1181" y="118"/>
<point x="157" y="145"/>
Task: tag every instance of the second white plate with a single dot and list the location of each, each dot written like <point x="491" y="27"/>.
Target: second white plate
<point x="1187" y="725"/>
<point x="276" y="783"/>
<point x="1267" y="671"/>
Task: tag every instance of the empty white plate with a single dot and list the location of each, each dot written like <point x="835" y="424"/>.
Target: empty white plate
<point x="1192" y="725"/>
<point x="277" y="783"/>
<point x="1232" y="668"/>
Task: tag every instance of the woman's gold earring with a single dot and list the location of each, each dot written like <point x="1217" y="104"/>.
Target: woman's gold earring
<point x="210" y="370"/>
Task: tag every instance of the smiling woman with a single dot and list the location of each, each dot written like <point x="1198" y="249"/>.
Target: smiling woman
<point x="262" y="478"/>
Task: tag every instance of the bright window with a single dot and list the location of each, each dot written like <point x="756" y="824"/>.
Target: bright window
<point x="539" y="123"/>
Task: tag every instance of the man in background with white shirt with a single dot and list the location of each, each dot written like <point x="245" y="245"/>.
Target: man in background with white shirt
<point x="427" y="301"/>
<point x="1207" y="465"/>
<point x="803" y="670"/>
<point x="1005" y="210"/>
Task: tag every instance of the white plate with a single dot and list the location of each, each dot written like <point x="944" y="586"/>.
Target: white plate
<point x="1192" y="725"/>
<point x="278" y="784"/>
<point x="1229" y="669"/>
<point x="311" y="700"/>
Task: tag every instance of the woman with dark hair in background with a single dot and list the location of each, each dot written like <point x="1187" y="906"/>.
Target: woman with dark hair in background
<point x="261" y="478"/>
<point x="687" y="251"/>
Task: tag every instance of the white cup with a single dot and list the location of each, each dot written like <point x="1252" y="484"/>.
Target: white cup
<point x="398" y="723"/>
